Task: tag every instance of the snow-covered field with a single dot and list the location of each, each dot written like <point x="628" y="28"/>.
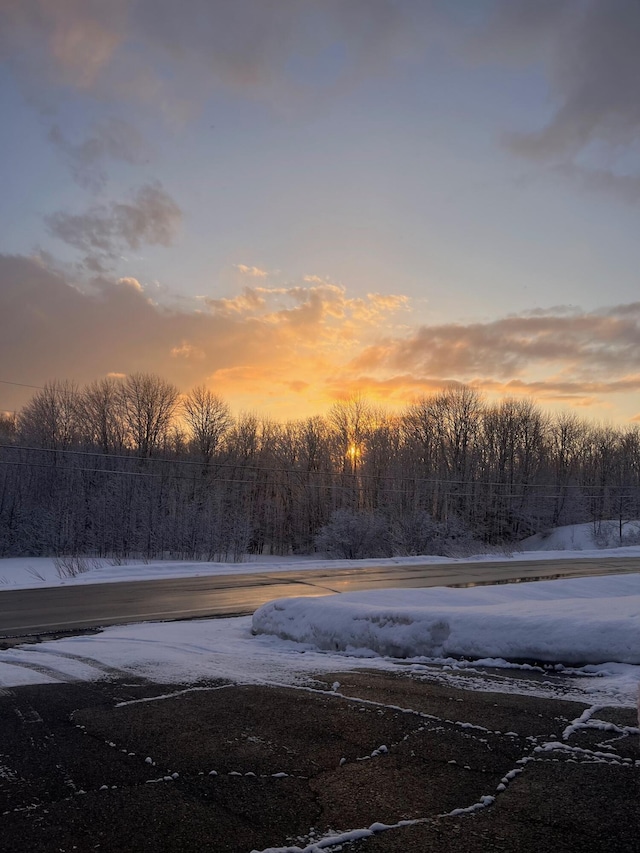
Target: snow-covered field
<point x="588" y="628"/>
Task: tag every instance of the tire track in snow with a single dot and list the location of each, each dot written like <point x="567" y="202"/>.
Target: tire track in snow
<point x="112" y="671"/>
<point x="42" y="669"/>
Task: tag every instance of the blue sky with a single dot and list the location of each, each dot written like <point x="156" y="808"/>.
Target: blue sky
<point x="296" y="200"/>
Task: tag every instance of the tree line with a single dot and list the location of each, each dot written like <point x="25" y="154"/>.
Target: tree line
<point x="131" y="467"/>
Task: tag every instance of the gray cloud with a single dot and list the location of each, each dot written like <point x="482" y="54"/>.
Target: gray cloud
<point x="520" y="32"/>
<point x="262" y="49"/>
<point x="104" y="231"/>
<point x="605" y="181"/>
<point x="51" y="327"/>
<point x="172" y="56"/>
<point x="86" y="331"/>
<point x="591" y="52"/>
<point x="110" y="139"/>
<point x="592" y="346"/>
<point x="594" y="76"/>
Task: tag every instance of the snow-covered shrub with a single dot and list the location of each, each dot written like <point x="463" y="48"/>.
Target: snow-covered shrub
<point x="418" y="533"/>
<point x="456" y="538"/>
<point x="415" y="533"/>
<point x="354" y="535"/>
<point x="616" y="534"/>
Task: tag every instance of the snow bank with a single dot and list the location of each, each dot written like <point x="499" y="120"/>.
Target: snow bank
<point x="584" y="537"/>
<point x="561" y="543"/>
<point x="27" y="572"/>
<point x="581" y="621"/>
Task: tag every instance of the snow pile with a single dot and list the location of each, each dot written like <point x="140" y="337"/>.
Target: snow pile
<point x="580" y="621"/>
<point x="205" y="651"/>
<point x="585" y="537"/>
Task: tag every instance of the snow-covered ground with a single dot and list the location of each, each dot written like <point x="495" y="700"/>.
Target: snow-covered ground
<point x="560" y="543"/>
<point x="590" y="625"/>
<point x="585" y="537"/>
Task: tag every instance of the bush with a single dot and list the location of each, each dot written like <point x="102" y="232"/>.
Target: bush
<point x="71" y="566"/>
<point x="354" y="535"/>
<point x="415" y="533"/>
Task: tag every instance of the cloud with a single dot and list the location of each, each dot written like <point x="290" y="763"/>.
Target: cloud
<point x="605" y="181"/>
<point x="321" y="308"/>
<point x="187" y="351"/>
<point x="167" y="53"/>
<point x="300" y="347"/>
<point x="128" y="281"/>
<point x="110" y="139"/>
<point x="150" y="217"/>
<point x="63" y="42"/>
<point x="596" y="344"/>
<point x="265" y="344"/>
<point x="251" y="299"/>
<point x="254" y="272"/>
<point x="591" y="52"/>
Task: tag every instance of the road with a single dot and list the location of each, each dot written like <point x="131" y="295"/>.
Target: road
<point x="40" y="611"/>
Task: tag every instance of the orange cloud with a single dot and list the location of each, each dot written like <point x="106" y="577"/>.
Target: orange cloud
<point x="187" y="351"/>
<point x="293" y="350"/>
<point x="131" y="282"/>
<point x="254" y="272"/>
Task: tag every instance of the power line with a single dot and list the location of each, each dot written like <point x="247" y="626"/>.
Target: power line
<point x="359" y="475"/>
<point x="21" y="384"/>
<point x="148" y="474"/>
<point x="352" y="488"/>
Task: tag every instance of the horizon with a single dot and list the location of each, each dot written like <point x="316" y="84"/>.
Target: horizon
<point x="376" y="413"/>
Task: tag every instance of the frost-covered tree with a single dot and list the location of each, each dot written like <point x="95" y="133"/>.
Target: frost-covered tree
<point x="102" y="415"/>
<point x="8" y="427"/>
<point x="116" y="468"/>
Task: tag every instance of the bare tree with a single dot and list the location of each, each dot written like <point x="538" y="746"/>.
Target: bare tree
<point x="208" y="418"/>
<point x="50" y="418"/>
<point x="149" y="404"/>
<point x="350" y="420"/>
<point x="101" y="414"/>
<point x="8" y="427"/>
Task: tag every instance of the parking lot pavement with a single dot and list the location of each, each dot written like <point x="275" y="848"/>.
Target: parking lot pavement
<point x="383" y="763"/>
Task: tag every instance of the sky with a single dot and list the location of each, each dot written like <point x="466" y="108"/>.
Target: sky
<point x="295" y="201"/>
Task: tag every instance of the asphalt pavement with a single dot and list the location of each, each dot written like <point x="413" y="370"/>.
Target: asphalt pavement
<point x="403" y="764"/>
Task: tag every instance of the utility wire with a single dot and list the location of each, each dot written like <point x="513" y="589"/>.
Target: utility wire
<point x="360" y="475"/>
<point x="352" y="487"/>
<point x="258" y="483"/>
<point x="21" y="384"/>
